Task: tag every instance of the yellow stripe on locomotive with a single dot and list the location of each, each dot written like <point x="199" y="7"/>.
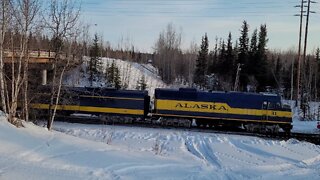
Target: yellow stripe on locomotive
<point x="212" y="107"/>
<point x="91" y="109"/>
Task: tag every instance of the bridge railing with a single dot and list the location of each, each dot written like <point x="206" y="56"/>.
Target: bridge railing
<point x="32" y="54"/>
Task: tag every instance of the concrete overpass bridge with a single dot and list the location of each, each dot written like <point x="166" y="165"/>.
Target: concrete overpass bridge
<point x="38" y="59"/>
<point x="38" y="56"/>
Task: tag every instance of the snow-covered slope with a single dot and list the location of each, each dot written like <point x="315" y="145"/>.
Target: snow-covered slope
<point x="130" y="73"/>
<point x="115" y="152"/>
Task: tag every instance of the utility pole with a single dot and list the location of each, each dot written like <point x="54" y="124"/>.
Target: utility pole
<point x="300" y="92"/>
<point x="307" y="27"/>
<point x="299" y="53"/>
<point x="306" y="38"/>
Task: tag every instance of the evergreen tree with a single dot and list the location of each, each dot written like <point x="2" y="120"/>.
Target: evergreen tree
<point x="278" y="72"/>
<point x="95" y="63"/>
<point x="262" y="74"/>
<point x="229" y="57"/>
<point x="278" y="68"/>
<point x="253" y="53"/>
<point x="201" y="63"/>
<point x="107" y="74"/>
<point x="113" y="75"/>
<point x="244" y="54"/>
<point x="110" y="73"/>
<point x="141" y="84"/>
<point x="117" y="80"/>
<point x="318" y="55"/>
<point x="317" y="73"/>
<point x="222" y="59"/>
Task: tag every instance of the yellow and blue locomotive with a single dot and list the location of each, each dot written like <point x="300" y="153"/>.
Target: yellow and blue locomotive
<point x="250" y="110"/>
<point x="176" y="107"/>
<point x="97" y="101"/>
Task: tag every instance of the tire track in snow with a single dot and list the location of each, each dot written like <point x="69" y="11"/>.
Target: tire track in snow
<point x="282" y="145"/>
<point x="201" y="150"/>
<point x="143" y="168"/>
<point x="262" y="153"/>
<point x="103" y="174"/>
<point x="245" y="153"/>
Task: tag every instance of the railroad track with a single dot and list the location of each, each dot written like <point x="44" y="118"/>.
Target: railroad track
<point x="312" y="138"/>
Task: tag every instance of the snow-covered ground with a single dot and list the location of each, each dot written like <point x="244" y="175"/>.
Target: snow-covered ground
<point x="308" y="125"/>
<point x="75" y="151"/>
<point x="305" y="126"/>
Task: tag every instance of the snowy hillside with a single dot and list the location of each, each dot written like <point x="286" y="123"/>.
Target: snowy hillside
<point x="130" y="73"/>
<point x="115" y="152"/>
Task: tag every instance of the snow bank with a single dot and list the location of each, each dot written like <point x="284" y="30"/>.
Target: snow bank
<point x="76" y="151"/>
<point x="210" y="156"/>
<point x="304" y="126"/>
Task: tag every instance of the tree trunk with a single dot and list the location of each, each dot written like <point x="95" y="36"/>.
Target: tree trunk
<point x="51" y="116"/>
<point x="58" y="93"/>
<point x="26" y="99"/>
<point x="2" y="84"/>
<point x="3" y="31"/>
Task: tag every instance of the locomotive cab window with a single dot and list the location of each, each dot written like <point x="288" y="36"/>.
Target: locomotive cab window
<point x="272" y="105"/>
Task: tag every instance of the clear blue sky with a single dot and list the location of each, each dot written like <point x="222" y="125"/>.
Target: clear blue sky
<point x="141" y="21"/>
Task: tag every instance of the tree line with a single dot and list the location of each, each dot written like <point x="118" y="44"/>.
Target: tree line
<point x="241" y="63"/>
<point x="259" y="69"/>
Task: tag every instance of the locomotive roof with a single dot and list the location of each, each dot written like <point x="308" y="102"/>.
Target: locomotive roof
<point x="101" y="91"/>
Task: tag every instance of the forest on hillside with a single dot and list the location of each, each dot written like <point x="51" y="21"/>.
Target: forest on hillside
<point x="260" y="68"/>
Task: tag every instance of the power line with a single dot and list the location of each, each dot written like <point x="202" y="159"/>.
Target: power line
<point x="191" y="8"/>
<point x="309" y="2"/>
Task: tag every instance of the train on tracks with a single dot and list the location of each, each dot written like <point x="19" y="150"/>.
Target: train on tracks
<point x="178" y="107"/>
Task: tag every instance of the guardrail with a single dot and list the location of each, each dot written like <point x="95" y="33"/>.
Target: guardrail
<point x="31" y="54"/>
<point x="35" y="56"/>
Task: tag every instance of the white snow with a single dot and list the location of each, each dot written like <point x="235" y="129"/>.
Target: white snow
<point x="78" y="151"/>
<point x="304" y="126"/>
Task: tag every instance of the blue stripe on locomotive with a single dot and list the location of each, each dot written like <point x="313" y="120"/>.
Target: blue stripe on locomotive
<point x="112" y="103"/>
<point x="222" y="116"/>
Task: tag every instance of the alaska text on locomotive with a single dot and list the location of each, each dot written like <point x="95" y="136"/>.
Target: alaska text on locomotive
<point x="201" y="106"/>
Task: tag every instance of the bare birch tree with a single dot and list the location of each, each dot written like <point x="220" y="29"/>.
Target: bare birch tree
<point x="4" y="21"/>
<point x="26" y="14"/>
<point x="62" y="22"/>
<point x="168" y="52"/>
<point x="23" y="14"/>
